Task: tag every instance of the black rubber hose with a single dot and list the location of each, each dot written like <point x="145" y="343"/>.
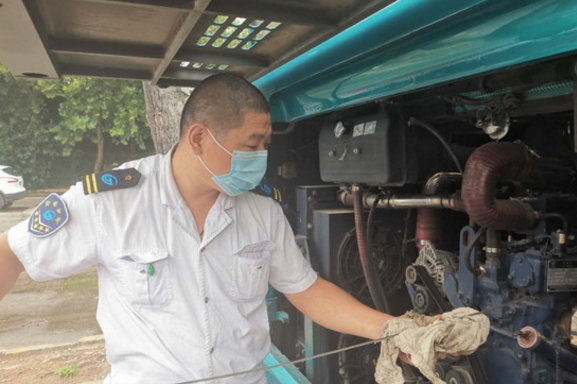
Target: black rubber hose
<point x="469" y="249"/>
<point x="370" y="220"/>
<point x="415" y="122"/>
<point x="369" y="270"/>
<point x="380" y="196"/>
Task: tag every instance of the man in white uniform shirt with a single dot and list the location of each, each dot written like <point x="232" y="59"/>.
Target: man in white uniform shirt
<point x="184" y="254"/>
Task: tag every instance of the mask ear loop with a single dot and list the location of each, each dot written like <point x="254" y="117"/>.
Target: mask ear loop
<point x="217" y="143"/>
<point x="205" y="166"/>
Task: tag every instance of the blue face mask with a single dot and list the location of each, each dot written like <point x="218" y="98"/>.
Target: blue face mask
<point x="246" y="170"/>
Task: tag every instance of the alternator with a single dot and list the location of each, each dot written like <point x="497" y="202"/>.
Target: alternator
<point x="437" y="263"/>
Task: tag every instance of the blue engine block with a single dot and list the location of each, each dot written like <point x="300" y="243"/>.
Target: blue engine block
<point x="513" y="294"/>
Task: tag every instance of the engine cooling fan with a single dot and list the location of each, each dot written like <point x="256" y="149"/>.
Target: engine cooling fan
<point x="357" y="366"/>
<point x="387" y="257"/>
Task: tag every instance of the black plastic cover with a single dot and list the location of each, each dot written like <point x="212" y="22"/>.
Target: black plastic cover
<point x="369" y="149"/>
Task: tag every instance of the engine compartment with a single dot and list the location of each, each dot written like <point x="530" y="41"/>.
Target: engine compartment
<point x="471" y="200"/>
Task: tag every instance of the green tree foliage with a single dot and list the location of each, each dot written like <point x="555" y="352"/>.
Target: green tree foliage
<point x="96" y="108"/>
<point x="26" y="117"/>
<point x="42" y="121"/>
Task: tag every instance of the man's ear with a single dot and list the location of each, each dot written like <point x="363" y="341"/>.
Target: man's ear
<point x="194" y="137"/>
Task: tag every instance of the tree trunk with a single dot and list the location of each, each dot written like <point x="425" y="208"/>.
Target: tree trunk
<point x="99" y="150"/>
<point x="163" y="110"/>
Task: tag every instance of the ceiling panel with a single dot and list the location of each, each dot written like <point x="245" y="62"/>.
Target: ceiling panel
<point x="163" y="39"/>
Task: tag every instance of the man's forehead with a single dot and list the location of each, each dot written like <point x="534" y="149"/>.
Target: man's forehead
<point x="258" y="128"/>
<point x="255" y="127"/>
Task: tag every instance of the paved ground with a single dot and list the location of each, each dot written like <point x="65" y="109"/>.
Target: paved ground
<point x="54" y="312"/>
<point x="86" y="360"/>
<point x="58" y="311"/>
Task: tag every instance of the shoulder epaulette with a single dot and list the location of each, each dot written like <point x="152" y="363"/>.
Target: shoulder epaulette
<point x="265" y="189"/>
<point x="110" y="181"/>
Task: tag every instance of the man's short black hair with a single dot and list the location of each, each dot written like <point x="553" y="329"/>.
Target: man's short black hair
<point x="220" y="102"/>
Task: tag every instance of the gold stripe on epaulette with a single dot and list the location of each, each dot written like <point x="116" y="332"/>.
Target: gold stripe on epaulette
<point x="87" y="181"/>
<point x="279" y="196"/>
<point x="95" y="184"/>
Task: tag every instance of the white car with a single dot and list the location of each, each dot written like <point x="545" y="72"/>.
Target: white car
<point x="11" y="187"/>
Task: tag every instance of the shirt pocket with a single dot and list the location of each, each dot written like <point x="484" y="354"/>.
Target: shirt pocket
<point x="145" y="277"/>
<point x="250" y="271"/>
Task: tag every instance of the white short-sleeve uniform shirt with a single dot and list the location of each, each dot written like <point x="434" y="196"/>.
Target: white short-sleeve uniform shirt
<point x="200" y="310"/>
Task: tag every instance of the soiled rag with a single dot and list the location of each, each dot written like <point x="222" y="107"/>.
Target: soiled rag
<point x="460" y="331"/>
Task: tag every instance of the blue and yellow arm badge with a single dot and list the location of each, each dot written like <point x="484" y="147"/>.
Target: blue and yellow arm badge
<point x="48" y="217"/>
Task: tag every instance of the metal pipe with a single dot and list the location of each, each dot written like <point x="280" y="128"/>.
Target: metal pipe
<point x="407" y="201"/>
<point x="417" y="201"/>
<point x="453" y="202"/>
<point x="439" y="182"/>
<point x="468" y="263"/>
<point x="493" y="246"/>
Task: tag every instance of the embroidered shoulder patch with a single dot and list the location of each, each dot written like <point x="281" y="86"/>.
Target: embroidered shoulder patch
<point x="110" y="181"/>
<point x="50" y="215"/>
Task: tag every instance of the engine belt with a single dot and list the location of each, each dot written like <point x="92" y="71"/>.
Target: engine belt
<point x="474" y="361"/>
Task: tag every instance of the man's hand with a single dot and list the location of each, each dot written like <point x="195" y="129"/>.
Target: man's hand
<point x="406" y="358"/>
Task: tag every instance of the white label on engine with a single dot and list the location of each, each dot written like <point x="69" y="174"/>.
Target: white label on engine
<point x="562" y="275"/>
<point x="370" y="127"/>
<point x="359" y="130"/>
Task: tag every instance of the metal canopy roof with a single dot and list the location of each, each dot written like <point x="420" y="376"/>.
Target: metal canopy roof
<point x="169" y="42"/>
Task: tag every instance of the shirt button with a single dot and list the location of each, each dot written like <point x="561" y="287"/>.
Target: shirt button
<point x="206" y="299"/>
<point x="211" y="351"/>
